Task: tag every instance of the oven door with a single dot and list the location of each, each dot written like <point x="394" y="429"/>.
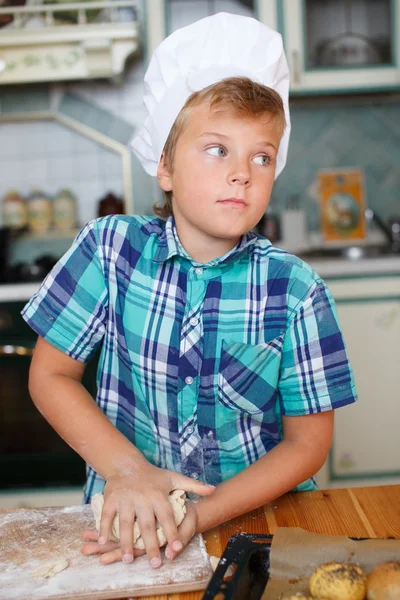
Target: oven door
<point x="32" y="454"/>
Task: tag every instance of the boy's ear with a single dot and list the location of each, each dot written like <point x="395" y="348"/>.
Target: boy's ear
<point x="164" y="175"/>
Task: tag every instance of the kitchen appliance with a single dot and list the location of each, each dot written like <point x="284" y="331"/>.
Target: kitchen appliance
<point x="30" y="538"/>
<point x="32" y="455"/>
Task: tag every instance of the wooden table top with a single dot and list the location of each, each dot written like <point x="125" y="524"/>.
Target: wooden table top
<point x="356" y="512"/>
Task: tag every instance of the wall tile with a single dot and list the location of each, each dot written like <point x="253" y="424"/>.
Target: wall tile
<point x="342" y="133"/>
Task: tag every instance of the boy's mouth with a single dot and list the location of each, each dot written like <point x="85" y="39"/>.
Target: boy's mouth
<point x="233" y="201"/>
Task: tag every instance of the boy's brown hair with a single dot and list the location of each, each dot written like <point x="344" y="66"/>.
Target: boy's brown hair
<point x="240" y="95"/>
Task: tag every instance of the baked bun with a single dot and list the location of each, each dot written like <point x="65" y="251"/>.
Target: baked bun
<point x="300" y="596"/>
<point x="383" y="583"/>
<point x="297" y="597"/>
<point x="338" y="581"/>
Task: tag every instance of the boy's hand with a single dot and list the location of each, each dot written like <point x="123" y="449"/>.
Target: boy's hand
<point x="187" y="530"/>
<point x="112" y="552"/>
<point x="142" y="494"/>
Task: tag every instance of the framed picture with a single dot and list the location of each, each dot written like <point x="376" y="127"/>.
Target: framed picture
<point x="342" y="204"/>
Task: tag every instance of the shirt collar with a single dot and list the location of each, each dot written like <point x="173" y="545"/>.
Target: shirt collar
<point x="170" y="245"/>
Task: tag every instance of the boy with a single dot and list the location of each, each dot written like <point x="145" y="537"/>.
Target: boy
<point x="222" y="359"/>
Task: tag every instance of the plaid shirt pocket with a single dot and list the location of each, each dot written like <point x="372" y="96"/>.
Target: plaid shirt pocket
<point x="248" y="376"/>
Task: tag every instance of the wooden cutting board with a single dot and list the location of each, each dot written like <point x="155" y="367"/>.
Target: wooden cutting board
<point x="30" y="537"/>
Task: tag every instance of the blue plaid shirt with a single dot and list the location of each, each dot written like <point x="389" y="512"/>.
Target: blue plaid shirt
<point x="198" y="361"/>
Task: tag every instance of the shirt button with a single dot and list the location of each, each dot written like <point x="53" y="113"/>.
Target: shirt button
<point x="190" y="429"/>
<point x="189" y="380"/>
<point x="194" y="475"/>
<point x="194" y="321"/>
<point x="198" y="271"/>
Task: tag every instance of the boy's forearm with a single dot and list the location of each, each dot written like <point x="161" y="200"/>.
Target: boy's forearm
<point x="276" y="473"/>
<point x="73" y="413"/>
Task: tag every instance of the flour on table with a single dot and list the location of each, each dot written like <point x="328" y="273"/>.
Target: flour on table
<point x="50" y="568"/>
<point x="177" y="501"/>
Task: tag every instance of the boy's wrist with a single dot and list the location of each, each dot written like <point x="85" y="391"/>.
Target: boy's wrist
<point x="128" y="466"/>
<point x="203" y="509"/>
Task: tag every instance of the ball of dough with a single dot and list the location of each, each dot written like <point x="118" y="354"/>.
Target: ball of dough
<point x="51" y="567"/>
<point x="337" y="581"/>
<point x="383" y="583"/>
<point x="177" y="501"/>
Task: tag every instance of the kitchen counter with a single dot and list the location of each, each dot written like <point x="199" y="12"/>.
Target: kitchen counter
<point x="325" y="267"/>
<point x="340" y="267"/>
<point x="16" y="292"/>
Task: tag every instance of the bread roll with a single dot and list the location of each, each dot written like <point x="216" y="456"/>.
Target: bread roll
<point x="337" y="581"/>
<point x="297" y="597"/>
<point x="300" y="596"/>
<point x="383" y="583"/>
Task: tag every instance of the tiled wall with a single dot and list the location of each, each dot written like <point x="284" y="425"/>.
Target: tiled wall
<point x="327" y="133"/>
<point x="48" y="156"/>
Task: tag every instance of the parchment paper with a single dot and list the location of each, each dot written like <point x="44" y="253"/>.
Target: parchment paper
<point x="295" y="553"/>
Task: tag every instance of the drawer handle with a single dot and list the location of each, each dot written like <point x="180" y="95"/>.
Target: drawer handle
<point x="9" y="350"/>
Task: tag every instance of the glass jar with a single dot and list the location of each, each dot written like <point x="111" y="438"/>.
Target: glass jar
<point x="39" y="212"/>
<point x="15" y="214"/>
<point x="64" y="211"/>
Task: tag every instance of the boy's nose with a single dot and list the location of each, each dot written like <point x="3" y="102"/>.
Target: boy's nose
<point x="239" y="174"/>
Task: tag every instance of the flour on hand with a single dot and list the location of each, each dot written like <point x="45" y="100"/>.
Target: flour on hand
<point x="177" y="501"/>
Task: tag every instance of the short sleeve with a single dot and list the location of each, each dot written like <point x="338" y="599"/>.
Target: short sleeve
<point x="315" y="373"/>
<point x="69" y="310"/>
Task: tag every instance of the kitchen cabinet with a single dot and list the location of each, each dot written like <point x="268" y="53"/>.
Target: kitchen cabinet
<point x="366" y="444"/>
<point x="55" y="42"/>
<point x="331" y="46"/>
<point x="338" y="46"/>
<point x="164" y="16"/>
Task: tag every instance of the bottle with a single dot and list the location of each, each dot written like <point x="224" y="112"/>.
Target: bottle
<point x="64" y="211"/>
<point x="110" y="205"/>
<point x="15" y="214"/>
<point x="39" y="212"/>
<point x="269" y="226"/>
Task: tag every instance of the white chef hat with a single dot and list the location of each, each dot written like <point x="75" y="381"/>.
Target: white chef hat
<point x="194" y="57"/>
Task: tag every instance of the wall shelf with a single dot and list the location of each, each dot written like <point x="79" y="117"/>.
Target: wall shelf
<point x="37" y="46"/>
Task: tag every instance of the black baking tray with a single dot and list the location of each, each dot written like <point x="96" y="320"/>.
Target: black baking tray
<point x="248" y="554"/>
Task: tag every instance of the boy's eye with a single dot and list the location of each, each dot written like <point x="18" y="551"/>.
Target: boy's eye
<point x="216" y="151"/>
<point x="263" y="160"/>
